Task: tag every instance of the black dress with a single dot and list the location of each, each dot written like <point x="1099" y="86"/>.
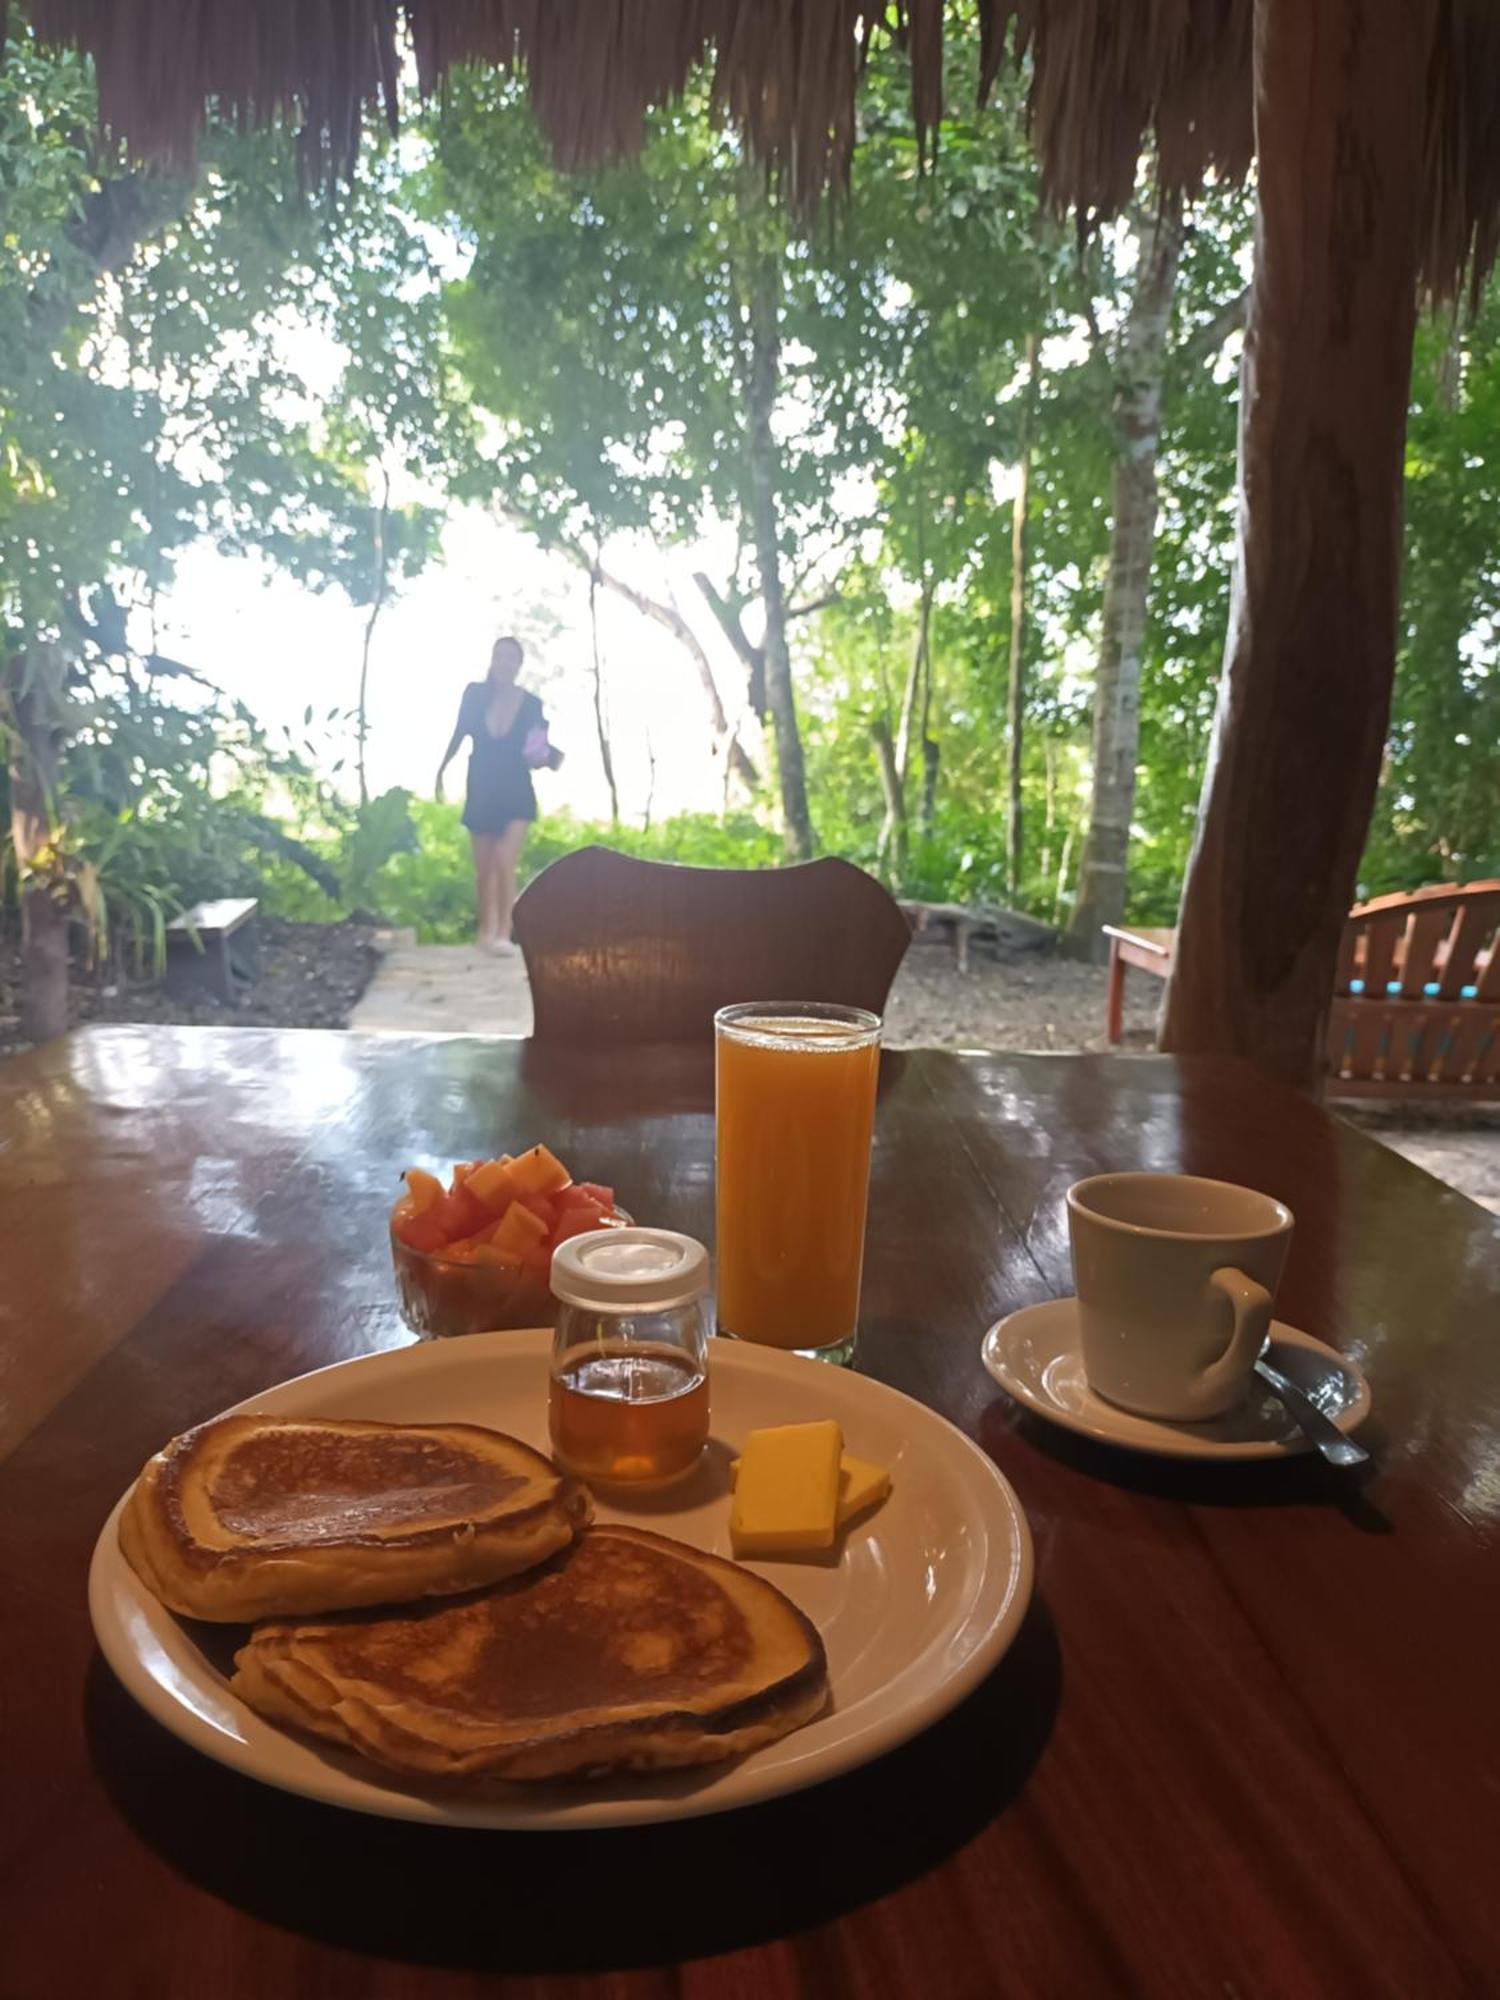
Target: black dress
<point x="500" y="789"/>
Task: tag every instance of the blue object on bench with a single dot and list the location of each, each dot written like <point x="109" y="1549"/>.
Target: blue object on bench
<point x="1430" y="991"/>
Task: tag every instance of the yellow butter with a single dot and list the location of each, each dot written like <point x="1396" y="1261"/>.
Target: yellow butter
<point x="862" y="1484"/>
<point x="787" y="1493"/>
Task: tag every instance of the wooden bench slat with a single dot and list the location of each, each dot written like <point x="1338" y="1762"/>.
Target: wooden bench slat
<point x="223" y="913"/>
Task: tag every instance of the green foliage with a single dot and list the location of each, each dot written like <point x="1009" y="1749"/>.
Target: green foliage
<point x="427" y="884"/>
<point x="378" y="831"/>
<point x="166" y="804"/>
<point x="576" y="349"/>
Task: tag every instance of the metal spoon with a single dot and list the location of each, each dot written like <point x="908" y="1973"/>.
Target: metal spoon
<point x="1309" y="1419"/>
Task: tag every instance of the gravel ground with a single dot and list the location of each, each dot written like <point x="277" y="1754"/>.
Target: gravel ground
<point x="1029" y="1002"/>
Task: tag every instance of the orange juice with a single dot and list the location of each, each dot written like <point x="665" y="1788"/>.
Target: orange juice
<point x="795" y="1108"/>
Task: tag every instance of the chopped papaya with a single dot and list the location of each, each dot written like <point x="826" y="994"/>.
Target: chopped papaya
<point x="587" y="1191"/>
<point x="504" y="1213"/>
<point x="461" y="1214"/>
<point x="465" y="1251"/>
<point x="419" y="1231"/>
<point x="486" y="1253"/>
<point x="577" y="1221"/>
<point x="491" y="1183"/>
<point x="518" y="1231"/>
<point x="538" y="1172"/>
<point x="422" y="1189"/>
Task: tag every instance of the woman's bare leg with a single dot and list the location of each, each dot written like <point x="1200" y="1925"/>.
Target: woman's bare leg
<point x="509" y="847"/>
<point x="486" y="885"/>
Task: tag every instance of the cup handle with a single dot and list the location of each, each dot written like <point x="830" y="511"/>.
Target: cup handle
<point x="1252" y="1322"/>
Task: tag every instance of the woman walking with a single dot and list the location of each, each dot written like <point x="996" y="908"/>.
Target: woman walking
<point x="507" y="728"/>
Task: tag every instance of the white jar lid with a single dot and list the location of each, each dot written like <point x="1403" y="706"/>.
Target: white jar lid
<point x="629" y="1270"/>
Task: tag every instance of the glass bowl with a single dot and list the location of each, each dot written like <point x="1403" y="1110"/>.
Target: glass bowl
<point x="442" y="1296"/>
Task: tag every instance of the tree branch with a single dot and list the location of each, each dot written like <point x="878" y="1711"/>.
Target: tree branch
<point x="731" y="623"/>
<point x="1205" y="343"/>
<point x="815" y="604"/>
<point x="669" y="617"/>
<point x="666" y="615"/>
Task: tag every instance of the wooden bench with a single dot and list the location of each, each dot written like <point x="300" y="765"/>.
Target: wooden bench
<point x="959" y="923"/>
<point x="1416" y="1006"/>
<point x="1147" y="950"/>
<point x="213" y="948"/>
<point x="1416" y="999"/>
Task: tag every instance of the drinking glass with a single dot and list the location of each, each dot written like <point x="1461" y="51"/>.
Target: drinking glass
<point x="795" y="1105"/>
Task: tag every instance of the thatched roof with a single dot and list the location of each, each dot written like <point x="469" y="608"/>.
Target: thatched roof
<point x="1104" y="76"/>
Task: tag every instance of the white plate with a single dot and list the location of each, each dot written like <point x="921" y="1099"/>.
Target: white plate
<point x="929" y="1592"/>
<point x="1034" y="1357"/>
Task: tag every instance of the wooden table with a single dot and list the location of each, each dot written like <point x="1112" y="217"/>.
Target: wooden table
<point x="1248" y="1742"/>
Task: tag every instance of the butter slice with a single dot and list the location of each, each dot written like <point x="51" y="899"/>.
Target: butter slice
<point x="862" y="1484"/>
<point x="787" y="1494"/>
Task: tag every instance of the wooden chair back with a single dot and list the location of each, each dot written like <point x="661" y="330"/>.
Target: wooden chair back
<point x="620" y="950"/>
<point x="1416" y="1009"/>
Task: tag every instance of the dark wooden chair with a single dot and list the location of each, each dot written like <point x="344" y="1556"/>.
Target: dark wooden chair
<point x="619" y="950"/>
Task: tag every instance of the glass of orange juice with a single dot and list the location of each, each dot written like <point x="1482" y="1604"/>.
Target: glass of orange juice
<point x="795" y="1106"/>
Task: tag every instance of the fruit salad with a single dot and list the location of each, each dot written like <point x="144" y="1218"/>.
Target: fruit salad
<point x="476" y="1254"/>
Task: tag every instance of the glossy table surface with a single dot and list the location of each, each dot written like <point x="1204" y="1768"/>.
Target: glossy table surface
<point x="1247" y="1743"/>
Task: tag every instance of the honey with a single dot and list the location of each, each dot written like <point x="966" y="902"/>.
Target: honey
<point x="628" y="1410"/>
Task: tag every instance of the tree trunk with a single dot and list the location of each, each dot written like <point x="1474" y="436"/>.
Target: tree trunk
<point x="1303" y="706"/>
<point x="764" y="326"/>
<point x="893" y="834"/>
<point x="731" y="621"/>
<point x="931" y="754"/>
<point x="35" y="699"/>
<point x="1060" y="896"/>
<point x="1016" y="691"/>
<point x="915" y="680"/>
<point x="931" y="763"/>
<point x="362" y="714"/>
<point x="606" y="754"/>
<point x="1117" y="685"/>
<point x="895" y="756"/>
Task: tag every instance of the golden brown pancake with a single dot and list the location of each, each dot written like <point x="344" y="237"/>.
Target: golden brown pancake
<point x="260" y="1516"/>
<point x="629" y="1652"/>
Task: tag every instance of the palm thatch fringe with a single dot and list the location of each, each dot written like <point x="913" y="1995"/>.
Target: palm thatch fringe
<point x="1105" y="77"/>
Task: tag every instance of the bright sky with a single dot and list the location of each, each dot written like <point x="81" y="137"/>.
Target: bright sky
<point x="280" y="647"/>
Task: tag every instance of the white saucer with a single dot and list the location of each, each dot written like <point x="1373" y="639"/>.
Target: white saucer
<point x="1034" y="1356"/>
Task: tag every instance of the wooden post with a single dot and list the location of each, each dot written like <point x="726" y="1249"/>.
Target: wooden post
<point x="1339" y="111"/>
<point x="1115" y="1019"/>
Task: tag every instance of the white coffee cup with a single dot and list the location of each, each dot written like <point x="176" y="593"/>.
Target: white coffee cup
<point x="1175" y="1279"/>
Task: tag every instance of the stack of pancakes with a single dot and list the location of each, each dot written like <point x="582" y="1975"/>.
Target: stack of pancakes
<point x="556" y="1648"/>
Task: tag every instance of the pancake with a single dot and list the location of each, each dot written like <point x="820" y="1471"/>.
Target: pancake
<point x="260" y="1516"/>
<point x="629" y="1652"/>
